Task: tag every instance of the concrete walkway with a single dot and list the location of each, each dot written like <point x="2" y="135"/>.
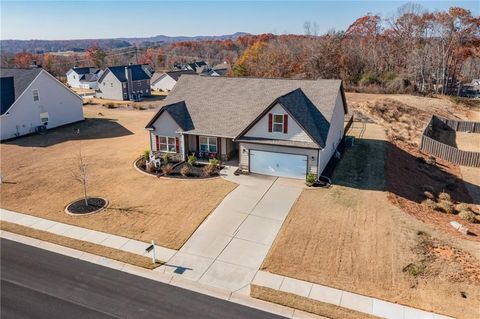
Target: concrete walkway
<point x="227" y="250"/>
<point x="345" y="299"/>
<point x="93" y="236"/>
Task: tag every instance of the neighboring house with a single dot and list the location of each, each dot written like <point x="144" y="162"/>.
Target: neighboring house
<point x="221" y="69"/>
<point x="84" y="78"/>
<point x="274" y="127"/>
<point x="33" y="98"/>
<point x="198" y="66"/>
<point x="471" y="90"/>
<point x="166" y="81"/>
<point x="126" y="82"/>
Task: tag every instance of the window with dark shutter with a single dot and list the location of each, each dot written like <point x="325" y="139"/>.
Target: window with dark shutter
<point x="270" y="121"/>
<point x="157" y="142"/>
<point x="177" y="145"/>
<point x="285" y="124"/>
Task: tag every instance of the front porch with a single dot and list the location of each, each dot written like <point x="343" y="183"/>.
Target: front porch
<point x="206" y="147"/>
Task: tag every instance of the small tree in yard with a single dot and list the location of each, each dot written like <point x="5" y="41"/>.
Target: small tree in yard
<point x="80" y="174"/>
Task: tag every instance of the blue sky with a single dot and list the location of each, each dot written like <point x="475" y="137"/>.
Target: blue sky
<point x="109" y="19"/>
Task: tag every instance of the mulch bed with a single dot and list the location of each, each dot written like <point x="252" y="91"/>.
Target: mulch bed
<point x="196" y="172"/>
<point x="79" y="208"/>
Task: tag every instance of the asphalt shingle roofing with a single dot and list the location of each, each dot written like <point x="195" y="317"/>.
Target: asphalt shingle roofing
<point x="21" y="78"/>
<point x="85" y="70"/>
<point x="226" y="106"/>
<point x="138" y="73"/>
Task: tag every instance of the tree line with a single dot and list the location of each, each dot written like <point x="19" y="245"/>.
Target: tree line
<point x="413" y="50"/>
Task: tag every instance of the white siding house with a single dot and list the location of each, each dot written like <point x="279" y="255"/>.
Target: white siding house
<point x="40" y="99"/>
<point x="84" y="78"/>
<point x="274" y="127"/>
<point x="166" y="81"/>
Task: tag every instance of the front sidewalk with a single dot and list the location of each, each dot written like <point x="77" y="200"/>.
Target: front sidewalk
<point x="84" y="234"/>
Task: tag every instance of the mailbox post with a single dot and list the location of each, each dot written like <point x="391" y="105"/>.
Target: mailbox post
<point x="151" y="248"/>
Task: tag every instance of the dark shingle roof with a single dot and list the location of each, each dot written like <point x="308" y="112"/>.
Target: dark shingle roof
<point x="178" y="111"/>
<point x="7" y="93"/>
<point x="226" y="106"/>
<point x="138" y="73"/>
<point x="177" y="74"/>
<point x="307" y="115"/>
<point x="21" y="78"/>
<point x="85" y="70"/>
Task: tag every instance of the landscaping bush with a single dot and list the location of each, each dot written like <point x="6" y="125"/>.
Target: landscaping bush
<point x="462" y="207"/>
<point x="166" y="158"/>
<point x="444" y="197"/>
<point x="429" y="195"/>
<point x="468" y="215"/>
<point x="429" y="203"/>
<point x="150" y="167"/>
<point x="185" y="170"/>
<point x="110" y="105"/>
<point x="214" y="161"/>
<point x="310" y="179"/>
<point x="444" y="207"/>
<point x="192" y="160"/>
<point x="146" y="154"/>
<point x="167" y="169"/>
<point x="209" y="170"/>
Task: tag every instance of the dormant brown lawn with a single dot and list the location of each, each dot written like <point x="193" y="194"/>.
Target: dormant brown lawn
<point x="38" y="174"/>
<point x="352" y="238"/>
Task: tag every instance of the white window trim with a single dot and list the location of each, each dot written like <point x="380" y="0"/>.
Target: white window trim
<point x="33" y="95"/>
<point x="208" y="143"/>
<point x="168" y="144"/>
<point x="273" y="122"/>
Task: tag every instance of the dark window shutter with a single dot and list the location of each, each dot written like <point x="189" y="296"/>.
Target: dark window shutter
<point x="157" y="142"/>
<point x="285" y="124"/>
<point x="177" y="145"/>
<point x="198" y="143"/>
<point x="270" y="121"/>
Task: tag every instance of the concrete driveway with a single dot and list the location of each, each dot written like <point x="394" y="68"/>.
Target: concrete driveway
<point x="227" y="250"/>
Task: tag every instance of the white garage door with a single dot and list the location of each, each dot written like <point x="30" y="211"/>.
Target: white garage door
<point x="278" y="164"/>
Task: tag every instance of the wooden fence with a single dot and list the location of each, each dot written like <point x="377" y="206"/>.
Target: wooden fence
<point x="449" y="153"/>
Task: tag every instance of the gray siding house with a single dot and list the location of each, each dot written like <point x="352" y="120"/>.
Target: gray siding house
<point x="275" y="127"/>
<point x="129" y="82"/>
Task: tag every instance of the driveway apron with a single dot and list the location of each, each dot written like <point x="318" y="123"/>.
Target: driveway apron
<point x="227" y="250"/>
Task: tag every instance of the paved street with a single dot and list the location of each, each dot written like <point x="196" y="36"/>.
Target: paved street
<point x="40" y="284"/>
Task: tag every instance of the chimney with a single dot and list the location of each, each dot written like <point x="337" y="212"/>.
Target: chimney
<point x="128" y="77"/>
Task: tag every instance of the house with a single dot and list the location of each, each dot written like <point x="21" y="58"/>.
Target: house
<point x="84" y="78"/>
<point x="274" y="127"/>
<point x="218" y="70"/>
<point x="125" y="82"/>
<point x="33" y="99"/>
<point x="166" y="81"/>
<point x="198" y="66"/>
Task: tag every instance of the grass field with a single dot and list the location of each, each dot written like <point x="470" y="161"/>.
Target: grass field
<point x="352" y="238"/>
<point x="38" y="174"/>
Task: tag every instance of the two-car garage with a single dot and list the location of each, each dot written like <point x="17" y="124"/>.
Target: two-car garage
<point x="278" y="164"/>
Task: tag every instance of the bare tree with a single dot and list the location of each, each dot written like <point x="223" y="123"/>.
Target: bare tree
<point x="79" y="173"/>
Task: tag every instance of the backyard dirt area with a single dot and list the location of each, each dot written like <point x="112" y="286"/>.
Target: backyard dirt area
<point x="38" y="180"/>
<point x="351" y="237"/>
<point x="468" y="141"/>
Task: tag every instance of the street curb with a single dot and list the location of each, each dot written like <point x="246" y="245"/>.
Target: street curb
<point x="172" y="280"/>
